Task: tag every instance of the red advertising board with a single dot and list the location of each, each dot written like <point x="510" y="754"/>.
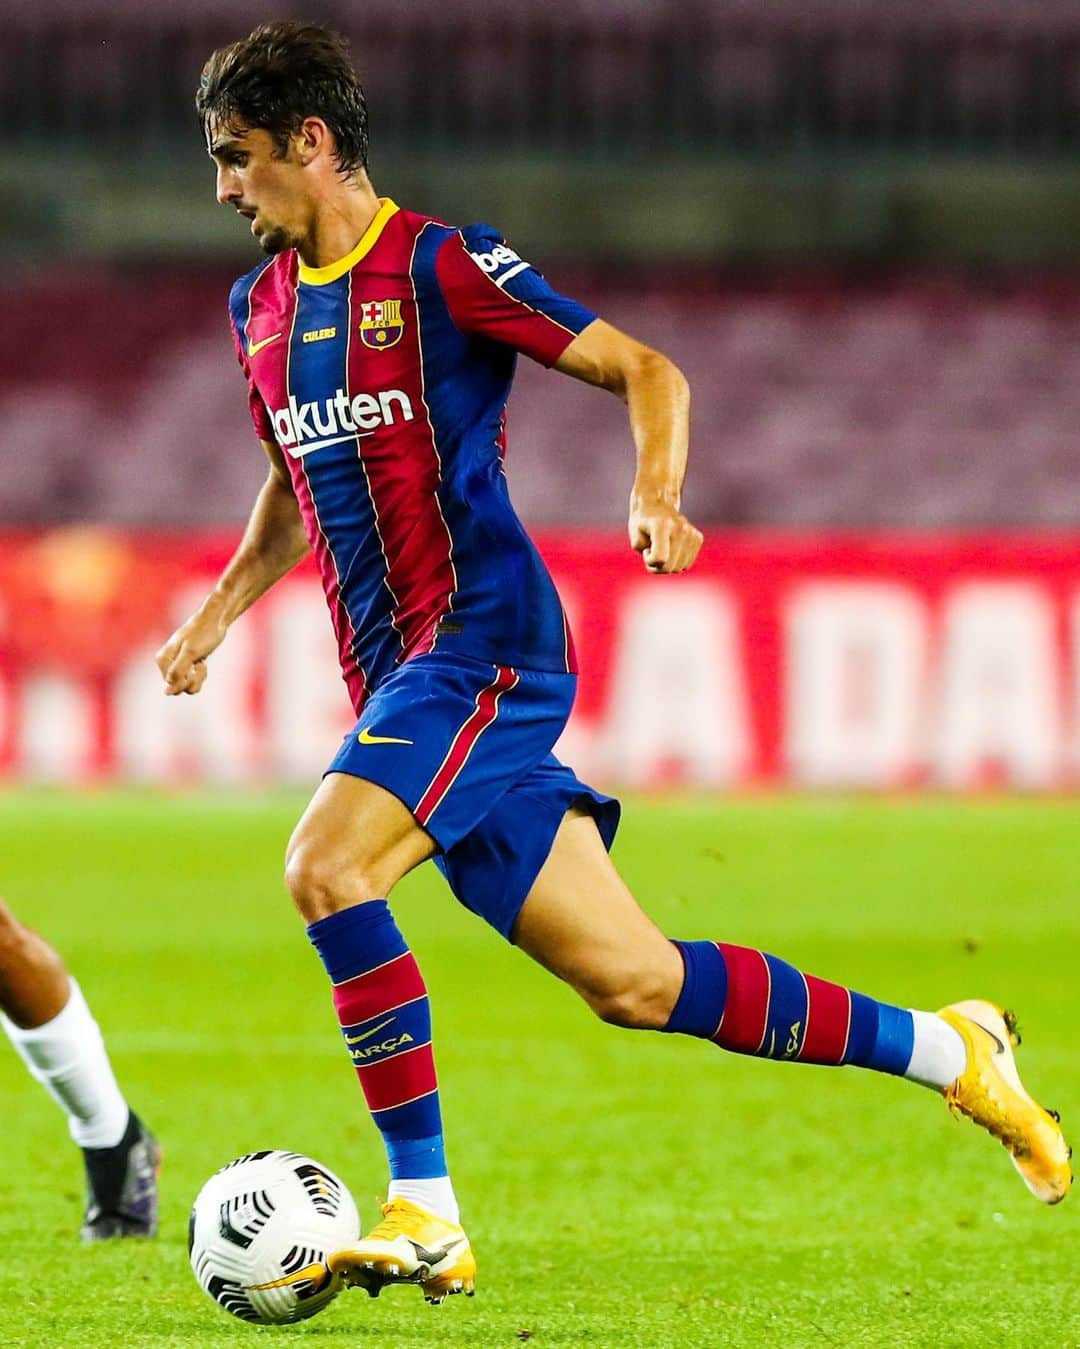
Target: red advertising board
<point x="841" y="661"/>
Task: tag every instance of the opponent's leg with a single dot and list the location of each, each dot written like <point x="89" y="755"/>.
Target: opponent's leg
<point x="46" y="1018"/>
<point x="580" y="921"/>
<point x="353" y="844"/>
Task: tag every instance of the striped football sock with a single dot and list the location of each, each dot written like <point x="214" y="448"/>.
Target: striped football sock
<point x="382" y="1005"/>
<point x="753" y="1003"/>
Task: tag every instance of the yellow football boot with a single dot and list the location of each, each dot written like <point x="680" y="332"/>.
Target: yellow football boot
<point x="409" y="1245"/>
<point x="989" y="1091"/>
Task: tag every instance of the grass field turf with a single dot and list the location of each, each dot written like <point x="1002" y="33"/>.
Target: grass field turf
<point x="621" y="1189"/>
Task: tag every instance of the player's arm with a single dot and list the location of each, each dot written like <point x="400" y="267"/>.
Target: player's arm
<point x="491" y="292"/>
<point x="657" y="397"/>
<point x="273" y="543"/>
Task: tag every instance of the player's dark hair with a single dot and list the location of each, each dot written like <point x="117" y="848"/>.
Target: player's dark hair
<point x="278" y="75"/>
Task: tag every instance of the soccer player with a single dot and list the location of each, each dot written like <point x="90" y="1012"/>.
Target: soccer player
<point x="45" y="1016"/>
<point x="378" y="346"/>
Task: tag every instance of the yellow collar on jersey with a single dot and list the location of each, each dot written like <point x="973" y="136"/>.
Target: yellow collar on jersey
<point x="322" y="276"/>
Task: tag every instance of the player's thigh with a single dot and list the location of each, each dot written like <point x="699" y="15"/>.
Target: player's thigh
<point x="354" y="842"/>
<point x="581" y="922"/>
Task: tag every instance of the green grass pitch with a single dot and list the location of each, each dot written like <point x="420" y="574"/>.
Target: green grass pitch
<point x="620" y="1189"/>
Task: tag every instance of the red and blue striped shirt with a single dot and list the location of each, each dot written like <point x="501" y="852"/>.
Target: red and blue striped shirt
<point x="384" y="379"/>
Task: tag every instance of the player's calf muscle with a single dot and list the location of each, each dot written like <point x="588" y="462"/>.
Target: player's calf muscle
<point x="11" y="929"/>
<point x="33" y="978"/>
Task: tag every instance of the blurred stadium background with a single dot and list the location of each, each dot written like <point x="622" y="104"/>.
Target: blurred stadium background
<point x="857" y="228"/>
<point x="856" y="225"/>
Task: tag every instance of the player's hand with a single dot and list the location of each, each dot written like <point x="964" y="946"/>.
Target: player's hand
<point x="665" y="538"/>
<point x="182" y="660"/>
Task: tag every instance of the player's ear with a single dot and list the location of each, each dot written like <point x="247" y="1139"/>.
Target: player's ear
<point x="312" y="139"/>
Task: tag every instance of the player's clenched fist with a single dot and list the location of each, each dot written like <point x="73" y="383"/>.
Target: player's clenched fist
<point x="665" y="538"/>
<point x="182" y="660"/>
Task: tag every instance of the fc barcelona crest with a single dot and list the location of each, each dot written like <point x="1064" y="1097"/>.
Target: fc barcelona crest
<point x="381" y="324"/>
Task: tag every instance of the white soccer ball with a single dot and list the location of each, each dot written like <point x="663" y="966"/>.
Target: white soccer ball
<point x="260" y="1232"/>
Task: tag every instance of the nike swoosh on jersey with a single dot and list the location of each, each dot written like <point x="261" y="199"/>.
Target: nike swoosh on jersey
<point x="255" y="347"/>
<point x="366" y="738"/>
<point x="355" y="1039"/>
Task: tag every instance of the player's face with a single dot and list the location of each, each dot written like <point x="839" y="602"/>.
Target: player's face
<point x="262" y="184"/>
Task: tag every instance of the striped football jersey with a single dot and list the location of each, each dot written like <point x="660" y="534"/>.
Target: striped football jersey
<point x="384" y="379"/>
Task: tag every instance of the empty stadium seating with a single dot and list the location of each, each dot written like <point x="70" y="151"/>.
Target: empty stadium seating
<point x="816" y="404"/>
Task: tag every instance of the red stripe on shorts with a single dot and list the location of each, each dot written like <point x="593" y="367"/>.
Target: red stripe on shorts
<point x="828" y="1015"/>
<point x="746" y="1010"/>
<point x="481" y="717"/>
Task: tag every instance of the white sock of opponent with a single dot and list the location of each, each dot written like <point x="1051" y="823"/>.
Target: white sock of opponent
<point x="67" y="1056"/>
<point x="436" y="1195"/>
<point x="939" y="1055"/>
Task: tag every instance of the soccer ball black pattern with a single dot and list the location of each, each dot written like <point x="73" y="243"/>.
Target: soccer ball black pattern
<point x="260" y="1231"/>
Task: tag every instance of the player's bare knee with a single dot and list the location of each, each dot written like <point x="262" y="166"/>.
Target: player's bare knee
<point x="639" y="1001"/>
<point x="320" y="884"/>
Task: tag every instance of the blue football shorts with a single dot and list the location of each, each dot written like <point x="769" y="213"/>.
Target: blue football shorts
<point x="466" y="746"/>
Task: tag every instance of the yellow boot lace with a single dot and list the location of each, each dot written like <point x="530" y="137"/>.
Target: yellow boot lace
<point x="399" y="1218"/>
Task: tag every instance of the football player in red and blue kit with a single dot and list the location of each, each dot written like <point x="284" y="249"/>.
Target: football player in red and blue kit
<point x="379" y="349"/>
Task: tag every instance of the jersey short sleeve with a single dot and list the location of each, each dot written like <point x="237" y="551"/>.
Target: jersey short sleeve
<point x="491" y="292"/>
<point x="260" y="417"/>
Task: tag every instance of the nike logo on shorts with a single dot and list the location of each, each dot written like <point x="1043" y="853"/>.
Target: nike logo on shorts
<point x="366" y="738"/>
